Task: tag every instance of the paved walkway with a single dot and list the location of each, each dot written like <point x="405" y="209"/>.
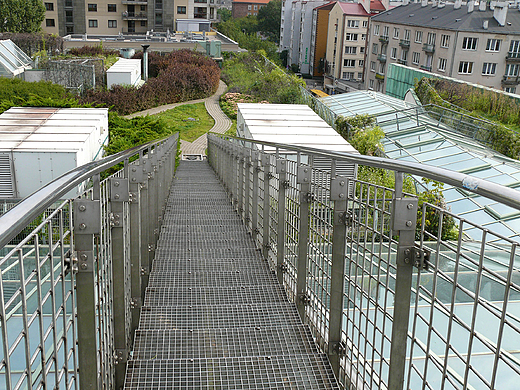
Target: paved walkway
<point x="222" y="122"/>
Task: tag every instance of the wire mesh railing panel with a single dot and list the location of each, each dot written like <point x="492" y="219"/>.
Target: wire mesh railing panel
<point x="274" y="228"/>
<point x="292" y="229"/>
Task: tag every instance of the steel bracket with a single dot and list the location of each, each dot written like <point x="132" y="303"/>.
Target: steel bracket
<point x="133" y="198"/>
<point x="137" y="173"/>
<point x="281" y="166"/>
<point x="71" y="262"/>
<point x="120" y="356"/>
<point x="283" y="267"/>
<point x="304" y="299"/>
<point x="339" y="348"/>
<point x="144" y="271"/>
<point x="269" y="176"/>
<point x="87" y="216"/>
<point x="85" y="261"/>
<point x="268" y="246"/>
<point x="307" y="197"/>
<point x="343" y="217"/>
<point x="304" y="175"/>
<point x="418" y="257"/>
<point x="119" y="189"/>
<point x="404" y="211"/>
<point x="115" y="220"/>
<point x="135" y="303"/>
<point x="339" y="188"/>
<point x="255" y="155"/>
<point x="266" y="159"/>
<point x="285" y="184"/>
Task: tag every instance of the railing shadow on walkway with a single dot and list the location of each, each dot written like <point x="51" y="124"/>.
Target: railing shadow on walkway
<point x="389" y="308"/>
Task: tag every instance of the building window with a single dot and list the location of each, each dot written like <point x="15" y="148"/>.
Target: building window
<point x="363" y="37"/>
<point x="362" y="50"/>
<point x="69" y="17"/>
<point x="442" y="64"/>
<point x="376" y="29"/>
<point x="385" y="31"/>
<point x="365" y="23"/>
<point x="143" y="23"/>
<point x="372" y="66"/>
<point x="255" y="7"/>
<point x="361" y="63"/>
<point x="418" y="36"/>
<point x="374" y="48"/>
<point x="360" y="75"/>
<point x="465" y="67"/>
<point x="431" y="38"/>
<point x="143" y="8"/>
<point x="469" y="43"/>
<point x="181" y="10"/>
<point x="416" y="58"/>
<point x="396" y="33"/>
<point x="514" y="49"/>
<point x="249" y="7"/>
<point x="112" y="8"/>
<point x="445" y="40"/>
<point x="49" y="6"/>
<point x="349" y="63"/>
<point x="92" y="8"/>
<point x="353" y="23"/>
<point x="158" y="19"/>
<point x="512" y="70"/>
<point x="68" y="3"/>
<point x="69" y="29"/>
<point x="350" y="49"/>
<point x="348" y="75"/>
<point x="510" y="89"/>
<point x="489" y="68"/>
<point x="351" y="37"/>
<point x="382" y="68"/>
<point x="158" y="4"/>
<point x="404" y="55"/>
<point x="493" y="44"/>
<point x="393" y="53"/>
<point x="92" y="23"/>
<point x="112" y="24"/>
<point x="371" y="84"/>
<point x="406" y="35"/>
<point x="50" y="23"/>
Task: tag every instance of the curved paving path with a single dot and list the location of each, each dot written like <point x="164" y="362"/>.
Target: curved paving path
<point x="222" y="122"/>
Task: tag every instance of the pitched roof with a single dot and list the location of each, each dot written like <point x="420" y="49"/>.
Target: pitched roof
<point x="252" y="1"/>
<point x="353" y="9"/>
<point x="448" y="18"/>
<point x="376" y="5"/>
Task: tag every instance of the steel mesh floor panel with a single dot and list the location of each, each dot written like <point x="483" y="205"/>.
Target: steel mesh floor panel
<point x="209" y="279"/>
<point x="208" y="253"/>
<point x="221" y="316"/>
<point x="156" y="296"/>
<point x="218" y="342"/>
<point x="275" y="372"/>
<point x="210" y="265"/>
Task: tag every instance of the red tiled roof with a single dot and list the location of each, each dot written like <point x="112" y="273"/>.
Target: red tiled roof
<point x="353" y="9"/>
<point x="252" y="1"/>
<point x="376" y="5"/>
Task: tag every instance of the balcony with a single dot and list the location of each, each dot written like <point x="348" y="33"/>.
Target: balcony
<point x="426" y="67"/>
<point x="513" y="57"/>
<point x="383" y="39"/>
<point x="402" y="62"/>
<point x="428" y="48"/>
<point x="380" y="76"/>
<point x="510" y="80"/>
<point x="405" y="43"/>
<point x="134" y="16"/>
<point x="134" y="2"/>
<point x="381" y="57"/>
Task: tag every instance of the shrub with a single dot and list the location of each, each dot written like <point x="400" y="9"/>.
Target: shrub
<point x="93" y="51"/>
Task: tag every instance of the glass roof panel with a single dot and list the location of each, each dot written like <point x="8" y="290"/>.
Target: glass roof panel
<point x="464" y="205"/>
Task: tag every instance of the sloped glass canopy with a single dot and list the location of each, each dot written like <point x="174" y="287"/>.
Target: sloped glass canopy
<point x="13" y="61"/>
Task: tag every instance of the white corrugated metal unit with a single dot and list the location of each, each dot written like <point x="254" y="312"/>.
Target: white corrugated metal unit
<point x="124" y="72"/>
<point x="38" y="145"/>
<point x="294" y="124"/>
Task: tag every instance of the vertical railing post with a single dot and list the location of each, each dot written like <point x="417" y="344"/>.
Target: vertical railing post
<point x="281" y="170"/>
<point x="136" y="178"/>
<point x="144" y="199"/>
<point x="119" y="196"/>
<point x="247" y="187"/>
<point x="87" y="223"/>
<point x="304" y="176"/>
<point x="339" y="194"/>
<point x="404" y="219"/>
<point x="240" y="180"/>
<point x="153" y="206"/>
<point x="255" y="195"/>
<point x="266" y="163"/>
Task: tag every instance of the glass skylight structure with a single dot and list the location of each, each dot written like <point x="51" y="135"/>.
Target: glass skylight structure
<point x="13" y="61"/>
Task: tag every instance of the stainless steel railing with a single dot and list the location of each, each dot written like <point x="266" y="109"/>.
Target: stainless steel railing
<point x="71" y="290"/>
<point x="393" y="305"/>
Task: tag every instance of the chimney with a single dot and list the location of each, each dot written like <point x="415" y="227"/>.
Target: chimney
<point x="424" y="3"/>
<point x="482" y="5"/>
<point x="458" y="4"/>
<point x="485" y="24"/>
<point x="471" y="6"/>
<point x="145" y="61"/>
<point x="500" y="13"/>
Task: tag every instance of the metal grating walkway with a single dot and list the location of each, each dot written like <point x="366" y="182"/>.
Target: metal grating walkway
<point x="214" y="315"/>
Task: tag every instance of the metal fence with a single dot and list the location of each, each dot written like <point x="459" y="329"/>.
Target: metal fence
<point x="393" y="305"/>
<point x="71" y="290"/>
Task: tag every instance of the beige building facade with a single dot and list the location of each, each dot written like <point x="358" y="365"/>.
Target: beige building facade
<point x="477" y="44"/>
<point x="112" y="17"/>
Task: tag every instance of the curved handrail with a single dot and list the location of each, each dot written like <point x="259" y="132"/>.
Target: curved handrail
<point x="12" y="222"/>
<point x="500" y="193"/>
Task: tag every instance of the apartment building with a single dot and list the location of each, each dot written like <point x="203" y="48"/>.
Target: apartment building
<point x="111" y="17"/>
<point x="241" y="8"/>
<point x="474" y="43"/>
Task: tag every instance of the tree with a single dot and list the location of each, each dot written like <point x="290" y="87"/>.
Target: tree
<point x="224" y="14"/>
<point x="21" y="16"/>
<point x="269" y="20"/>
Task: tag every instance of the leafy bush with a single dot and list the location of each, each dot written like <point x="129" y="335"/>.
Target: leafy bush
<point x="92" y="51"/>
<point x="178" y="76"/>
<point x="31" y="44"/>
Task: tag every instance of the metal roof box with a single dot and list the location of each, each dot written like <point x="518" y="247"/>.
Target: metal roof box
<point x="37" y="145"/>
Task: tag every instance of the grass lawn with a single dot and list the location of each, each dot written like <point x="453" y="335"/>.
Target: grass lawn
<point x="190" y="120"/>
